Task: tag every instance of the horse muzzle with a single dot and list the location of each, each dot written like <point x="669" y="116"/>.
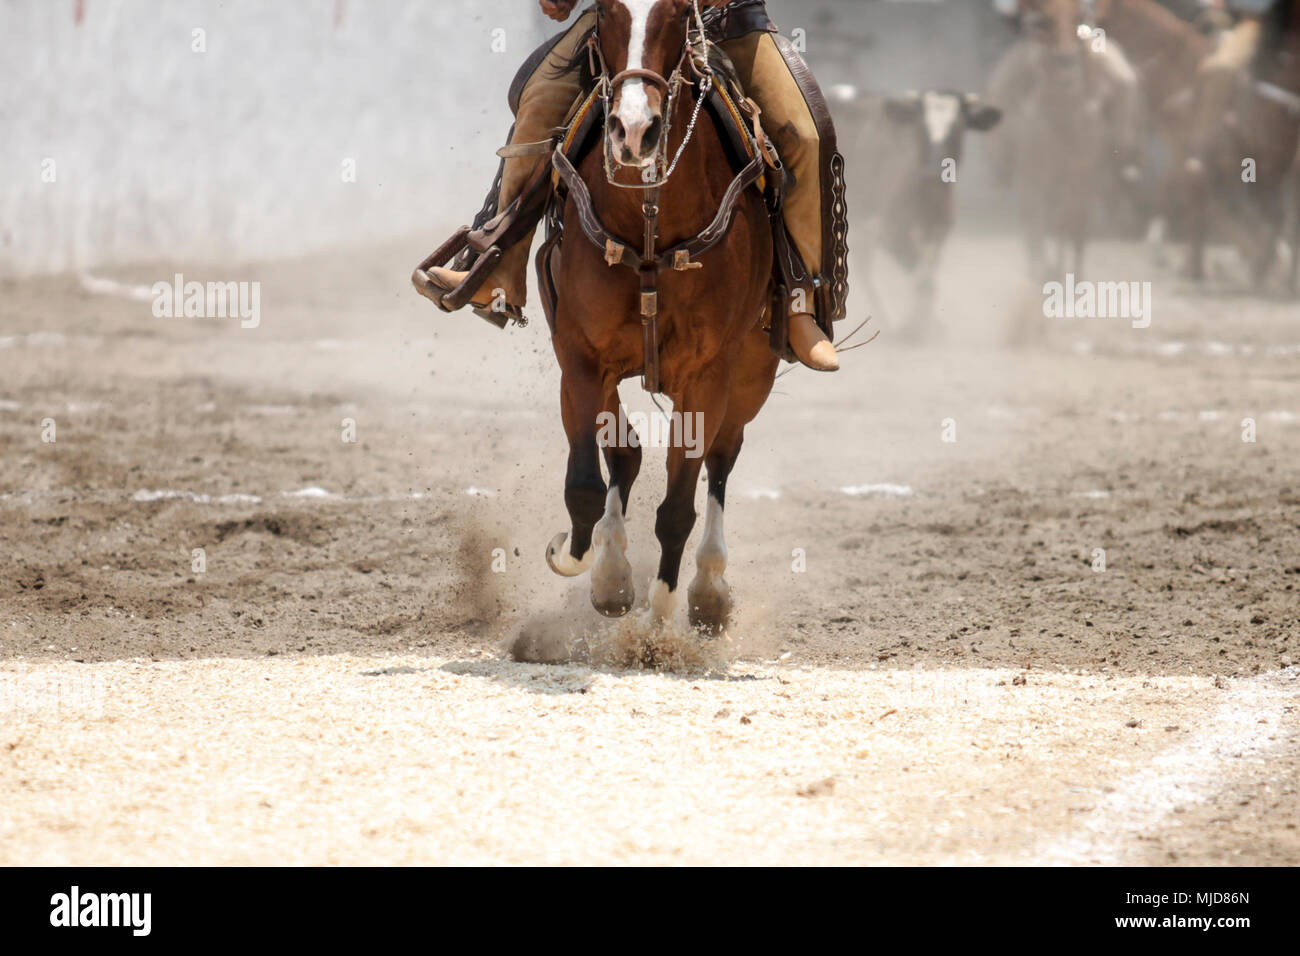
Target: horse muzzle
<point x="634" y="142"/>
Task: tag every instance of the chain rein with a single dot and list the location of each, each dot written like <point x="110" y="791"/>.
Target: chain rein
<point x="649" y="268"/>
<point x="698" y="62"/>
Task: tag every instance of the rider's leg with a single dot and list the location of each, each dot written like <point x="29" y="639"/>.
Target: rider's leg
<point x="547" y="97"/>
<point x="789" y="122"/>
<point x="1127" y="106"/>
<point x="1217" y="83"/>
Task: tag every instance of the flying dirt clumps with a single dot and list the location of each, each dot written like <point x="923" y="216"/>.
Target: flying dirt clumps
<point x="545" y="639"/>
<point x="636" y="642"/>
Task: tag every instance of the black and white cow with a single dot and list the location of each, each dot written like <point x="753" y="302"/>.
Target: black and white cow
<point x="903" y="154"/>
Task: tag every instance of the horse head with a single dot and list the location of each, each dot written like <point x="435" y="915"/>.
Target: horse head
<point x="1061" y="24"/>
<point x="641" y="46"/>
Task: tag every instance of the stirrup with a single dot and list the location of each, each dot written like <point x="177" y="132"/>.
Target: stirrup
<point x="450" y="299"/>
<point x="508" y="227"/>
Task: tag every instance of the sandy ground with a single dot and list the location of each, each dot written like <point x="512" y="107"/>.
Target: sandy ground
<point x="953" y="679"/>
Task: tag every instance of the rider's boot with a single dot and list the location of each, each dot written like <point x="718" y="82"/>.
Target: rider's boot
<point x="810" y="344"/>
<point x="491" y="293"/>
<point x="545" y="99"/>
<point x="791" y="123"/>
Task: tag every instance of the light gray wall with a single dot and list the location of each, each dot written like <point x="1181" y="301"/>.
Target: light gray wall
<point x="237" y="153"/>
<point x="163" y="153"/>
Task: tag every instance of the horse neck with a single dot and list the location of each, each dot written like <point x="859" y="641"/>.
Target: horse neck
<point x="1288" y="76"/>
<point x="686" y="201"/>
<point x="1151" y="34"/>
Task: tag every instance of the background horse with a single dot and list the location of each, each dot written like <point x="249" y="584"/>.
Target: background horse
<point x="1205" y="185"/>
<point x="1260" y="121"/>
<point x="1069" y="129"/>
<point x="716" y="365"/>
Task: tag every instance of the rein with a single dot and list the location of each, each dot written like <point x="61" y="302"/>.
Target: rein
<point x="681" y="257"/>
<point x="671" y="86"/>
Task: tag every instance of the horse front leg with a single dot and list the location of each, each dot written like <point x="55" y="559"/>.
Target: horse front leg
<point x="612" y="591"/>
<point x="585" y="495"/>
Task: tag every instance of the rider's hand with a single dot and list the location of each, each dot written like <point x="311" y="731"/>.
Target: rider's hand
<point x="558" y="9"/>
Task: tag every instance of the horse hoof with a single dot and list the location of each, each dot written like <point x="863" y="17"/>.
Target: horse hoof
<point x="616" y="605"/>
<point x="612" y="592"/>
<point x="709" y="605"/>
<point x="661" y="604"/>
<point x="559" y="560"/>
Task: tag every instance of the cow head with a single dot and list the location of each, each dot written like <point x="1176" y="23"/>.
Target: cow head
<point x="940" y="119"/>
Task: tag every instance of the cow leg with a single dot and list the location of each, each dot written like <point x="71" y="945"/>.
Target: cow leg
<point x="612" y="591"/>
<point x="1035" y="246"/>
<point x="1197" y="217"/>
<point x="584" y="487"/>
<point x="1294" y="282"/>
<point x="922" y="312"/>
<point x="1269" y="205"/>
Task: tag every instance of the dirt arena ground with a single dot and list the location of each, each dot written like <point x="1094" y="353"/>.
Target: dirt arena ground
<point x="955" y="677"/>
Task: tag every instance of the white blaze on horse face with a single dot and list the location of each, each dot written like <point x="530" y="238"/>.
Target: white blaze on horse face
<point x="634" y="104"/>
<point x="941" y="111"/>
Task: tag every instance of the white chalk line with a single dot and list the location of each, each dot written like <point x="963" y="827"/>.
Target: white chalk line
<point x="149" y="496"/>
<point x="1244" y="726"/>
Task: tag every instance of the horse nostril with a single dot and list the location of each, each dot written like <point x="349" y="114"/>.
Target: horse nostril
<point x="651" y="138"/>
<point x="616" y="130"/>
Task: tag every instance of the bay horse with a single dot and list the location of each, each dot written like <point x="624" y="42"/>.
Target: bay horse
<point x="713" y="359"/>
<point x="1066" y="119"/>
<point x="1167" y="53"/>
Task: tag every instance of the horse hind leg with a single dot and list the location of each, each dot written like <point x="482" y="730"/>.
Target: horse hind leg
<point x="693" y="432"/>
<point x="708" y="599"/>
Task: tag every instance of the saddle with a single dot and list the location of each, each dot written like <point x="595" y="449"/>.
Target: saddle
<point x="476" y="249"/>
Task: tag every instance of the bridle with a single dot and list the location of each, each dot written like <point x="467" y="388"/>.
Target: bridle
<point x="650" y="261"/>
<point x="693" y="62"/>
